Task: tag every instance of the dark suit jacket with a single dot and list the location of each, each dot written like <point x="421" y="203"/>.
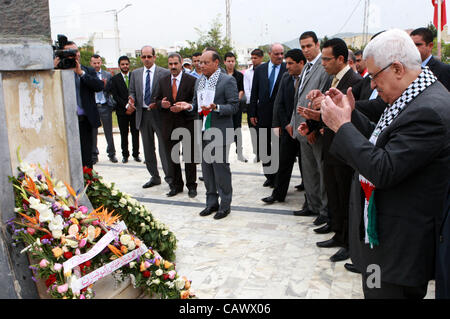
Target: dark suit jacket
<point x="362" y="92"/>
<point x="261" y="104"/>
<point x="284" y="102"/>
<point x="348" y="80"/>
<point x="443" y="254"/>
<point x="409" y="165"/>
<point x="185" y="93"/>
<point x="89" y="84"/>
<point x="227" y="97"/>
<point x="119" y="91"/>
<point x="441" y="70"/>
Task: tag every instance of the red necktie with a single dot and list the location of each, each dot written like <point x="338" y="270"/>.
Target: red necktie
<point x="174" y="90"/>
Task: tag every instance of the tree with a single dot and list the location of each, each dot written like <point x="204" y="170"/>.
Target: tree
<point x="212" y="38"/>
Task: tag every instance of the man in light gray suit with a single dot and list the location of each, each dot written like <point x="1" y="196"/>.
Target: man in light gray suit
<point x="313" y="77"/>
<point x="105" y="109"/>
<point x="218" y="134"/>
<point x="144" y="83"/>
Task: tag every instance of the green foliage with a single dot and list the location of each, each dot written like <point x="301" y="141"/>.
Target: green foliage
<point x="212" y="38"/>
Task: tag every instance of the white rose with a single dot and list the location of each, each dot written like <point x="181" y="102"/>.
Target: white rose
<point x="125" y="239"/>
<point x="91" y="233"/>
<point x="57" y="234"/>
<point x="131" y="245"/>
<point x="165" y="233"/>
<point x="114" y="192"/>
<point x="159" y="272"/>
<point x="179" y="283"/>
<point x="130" y="208"/>
<point x="71" y="243"/>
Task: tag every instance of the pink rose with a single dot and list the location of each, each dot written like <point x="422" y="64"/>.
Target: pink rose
<point x="31" y="231"/>
<point x="83" y="209"/>
<point x="63" y="288"/>
<point x="57" y="267"/>
<point x="172" y="274"/>
<point x="43" y="263"/>
<point x="82" y="243"/>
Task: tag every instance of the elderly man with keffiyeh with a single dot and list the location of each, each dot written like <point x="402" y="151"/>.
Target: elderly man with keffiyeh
<point x="402" y="169"/>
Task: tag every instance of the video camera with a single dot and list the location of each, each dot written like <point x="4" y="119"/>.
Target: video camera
<point x="66" y="57"/>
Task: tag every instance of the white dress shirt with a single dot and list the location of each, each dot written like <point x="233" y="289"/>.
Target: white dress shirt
<point x="144" y="77"/>
<point x="248" y="81"/>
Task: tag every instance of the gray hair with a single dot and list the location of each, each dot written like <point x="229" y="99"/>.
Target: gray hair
<point x="273" y="45"/>
<point x="394" y="45"/>
<point x="175" y="55"/>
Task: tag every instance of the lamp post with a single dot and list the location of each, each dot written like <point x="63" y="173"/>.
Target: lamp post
<point x="116" y="25"/>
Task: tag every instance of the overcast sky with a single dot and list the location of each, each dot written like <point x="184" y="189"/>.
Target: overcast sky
<point x="165" y="23"/>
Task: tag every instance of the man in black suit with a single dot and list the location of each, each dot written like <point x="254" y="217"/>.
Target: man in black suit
<point x="126" y="118"/>
<point x="86" y="84"/>
<point x="423" y="38"/>
<point x="282" y="111"/>
<point x="266" y="80"/>
<point x="402" y="164"/>
<point x="337" y="174"/>
<point x="173" y="88"/>
<point x="230" y="66"/>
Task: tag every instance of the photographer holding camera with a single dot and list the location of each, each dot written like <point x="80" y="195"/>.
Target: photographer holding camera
<point x="86" y="84"/>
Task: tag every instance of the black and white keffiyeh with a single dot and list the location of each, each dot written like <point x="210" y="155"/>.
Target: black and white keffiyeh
<point x="424" y="80"/>
<point x="209" y="84"/>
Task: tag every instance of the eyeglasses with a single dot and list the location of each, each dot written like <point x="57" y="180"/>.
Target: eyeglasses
<point x="146" y="56"/>
<point x="372" y="77"/>
<point x="327" y="59"/>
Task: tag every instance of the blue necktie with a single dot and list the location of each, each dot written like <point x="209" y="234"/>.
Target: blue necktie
<point x="147" y="96"/>
<point x="272" y="79"/>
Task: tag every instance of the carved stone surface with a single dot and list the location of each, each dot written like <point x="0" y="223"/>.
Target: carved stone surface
<point x="24" y="19"/>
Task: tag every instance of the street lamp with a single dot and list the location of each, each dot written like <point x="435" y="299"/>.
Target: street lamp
<point x="116" y="27"/>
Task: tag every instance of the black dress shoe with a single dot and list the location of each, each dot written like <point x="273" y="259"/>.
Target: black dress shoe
<point x="113" y="159"/>
<point x="192" y="193"/>
<point x="221" y="214"/>
<point x="351" y="268"/>
<point x="137" y="159"/>
<point x="330" y="243"/>
<point x="320" y="220"/>
<point x="268" y="183"/>
<point x="342" y="254"/>
<point x="151" y="183"/>
<point x="125" y="160"/>
<point x="324" y="229"/>
<point x="208" y="211"/>
<point x="304" y="212"/>
<point x="173" y="192"/>
<point x="300" y="187"/>
<point x="271" y="200"/>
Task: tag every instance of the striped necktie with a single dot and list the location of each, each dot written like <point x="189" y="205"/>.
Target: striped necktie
<point x="147" y="96"/>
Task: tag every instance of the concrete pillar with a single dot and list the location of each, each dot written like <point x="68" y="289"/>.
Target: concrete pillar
<point x="38" y="113"/>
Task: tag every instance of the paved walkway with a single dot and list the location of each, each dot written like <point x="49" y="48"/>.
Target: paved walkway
<point x="258" y="251"/>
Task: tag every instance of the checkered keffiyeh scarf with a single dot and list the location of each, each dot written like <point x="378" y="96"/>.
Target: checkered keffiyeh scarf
<point x="210" y="83"/>
<point x="423" y="81"/>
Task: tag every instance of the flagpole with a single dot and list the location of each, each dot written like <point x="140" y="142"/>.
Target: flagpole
<point x="439" y="29"/>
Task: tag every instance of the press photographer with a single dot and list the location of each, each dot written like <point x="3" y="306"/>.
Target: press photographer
<point x="86" y="84"/>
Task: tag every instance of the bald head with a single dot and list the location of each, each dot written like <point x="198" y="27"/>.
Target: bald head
<point x="148" y="56"/>
<point x="276" y="53"/>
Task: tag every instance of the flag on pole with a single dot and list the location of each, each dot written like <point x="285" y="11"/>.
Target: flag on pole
<point x="443" y="14"/>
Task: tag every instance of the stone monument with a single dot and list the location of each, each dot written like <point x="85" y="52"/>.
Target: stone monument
<point x="38" y="113"/>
